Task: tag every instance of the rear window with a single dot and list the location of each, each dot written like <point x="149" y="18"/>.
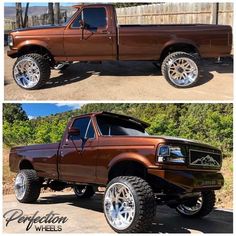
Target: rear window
<point x="114" y="126"/>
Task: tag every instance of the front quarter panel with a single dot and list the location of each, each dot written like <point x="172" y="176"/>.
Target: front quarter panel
<point x="113" y="150"/>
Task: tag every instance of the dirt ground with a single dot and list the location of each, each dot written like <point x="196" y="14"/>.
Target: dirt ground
<point x="86" y="216"/>
<point x="123" y="81"/>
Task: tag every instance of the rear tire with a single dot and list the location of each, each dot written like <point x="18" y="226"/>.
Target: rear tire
<point x="205" y="208"/>
<point x="27" y="186"/>
<point x="83" y="191"/>
<point x="129" y="204"/>
<point x="181" y="69"/>
<point x="31" y="71"/>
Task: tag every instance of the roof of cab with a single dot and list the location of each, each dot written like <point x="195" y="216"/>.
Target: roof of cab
<point x="97" y="5"/>
<point x="144" y="124"/>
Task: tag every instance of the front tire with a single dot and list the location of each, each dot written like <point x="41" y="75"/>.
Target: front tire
<point x="129" y="204"/>
<point x="200" y="207"/>
<point x="31" y="71"/>
<point x="83" y="191"/>
<point x="27" y="186"/>
<point x="181" y="69"/>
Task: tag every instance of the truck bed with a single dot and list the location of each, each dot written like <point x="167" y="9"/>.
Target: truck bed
<point x="42" y="156"/>
<point x="146" y="42"/>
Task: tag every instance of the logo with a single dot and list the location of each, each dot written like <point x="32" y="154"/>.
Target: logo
<point x="49" y="222"/>
<point x="206" y="161"/>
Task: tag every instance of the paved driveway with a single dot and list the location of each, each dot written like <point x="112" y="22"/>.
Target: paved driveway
<point x="86" y="216"/>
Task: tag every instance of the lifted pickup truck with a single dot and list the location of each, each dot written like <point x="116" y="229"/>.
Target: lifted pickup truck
<point x="137" y="169"/>
<point x="92" y="34"/>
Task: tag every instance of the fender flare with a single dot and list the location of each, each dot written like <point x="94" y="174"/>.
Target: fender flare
<point x="129" y="156"/>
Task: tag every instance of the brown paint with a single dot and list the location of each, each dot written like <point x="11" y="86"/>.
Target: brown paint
<point x="69" y="161"/>
<point x="124" y="42"/>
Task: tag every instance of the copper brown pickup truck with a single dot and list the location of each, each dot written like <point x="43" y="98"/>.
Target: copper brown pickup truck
<point x="137" y="169"/>
<point x="92" y="34"/>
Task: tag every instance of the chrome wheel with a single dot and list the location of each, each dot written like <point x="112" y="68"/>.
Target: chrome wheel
<point x="119" y="206"/>
<point x="191" y="209"/>
<point x="26" y="73"/>
<point x="80" y="190"/>
<point x="182" y="71"/>
<point x="20" y="186"/>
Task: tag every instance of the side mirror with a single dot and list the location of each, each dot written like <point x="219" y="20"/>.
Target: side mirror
<point x="73" y="131"/>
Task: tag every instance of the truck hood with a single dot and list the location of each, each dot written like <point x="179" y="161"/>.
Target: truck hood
<point x="183" y="141"/>
<point x="40" y="30"/>
<point x="150" y="140"/>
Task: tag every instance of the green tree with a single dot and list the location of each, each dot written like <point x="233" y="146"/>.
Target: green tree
<point x="13" y="112"/>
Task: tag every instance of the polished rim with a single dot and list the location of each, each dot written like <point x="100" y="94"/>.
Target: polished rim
<point x="20" y="186"/>
<point x="59" y="66"/>
<point x="119" y="206"/>
<point x="182" y="71"/>
<point x="80" y="190"/>
<point x="191" y="209"/>
<point x="26" y="73"/>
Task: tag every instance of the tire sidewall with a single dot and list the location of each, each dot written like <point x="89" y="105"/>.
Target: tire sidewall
<point x="34" y="186"/>
<point x="44" y="72"/>
<point x="136" y="202"/>
<point x="177" y="55"/>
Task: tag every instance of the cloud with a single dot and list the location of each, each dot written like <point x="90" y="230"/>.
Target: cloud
<point x="32" y="117"/>
<point x="73" y="106"/>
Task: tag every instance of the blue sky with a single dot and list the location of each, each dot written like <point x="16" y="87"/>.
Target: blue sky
<point x="34" y="110"/>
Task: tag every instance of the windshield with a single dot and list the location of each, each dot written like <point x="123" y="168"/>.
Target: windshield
<point x="109" y="125"/>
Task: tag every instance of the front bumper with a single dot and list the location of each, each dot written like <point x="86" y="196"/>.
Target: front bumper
<point x="190" y="181"/>
<point x="12" y="53"/>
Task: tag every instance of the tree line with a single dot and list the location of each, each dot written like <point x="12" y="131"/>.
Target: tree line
<point x="208" y="123"/>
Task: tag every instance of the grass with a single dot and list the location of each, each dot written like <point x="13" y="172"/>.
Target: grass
<point x="224" y="196"/>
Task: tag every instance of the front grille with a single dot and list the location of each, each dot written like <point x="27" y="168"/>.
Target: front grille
<point x="204" y="158"/>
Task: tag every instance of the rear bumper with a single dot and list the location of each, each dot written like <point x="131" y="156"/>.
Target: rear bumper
<point x="190" y="181"/>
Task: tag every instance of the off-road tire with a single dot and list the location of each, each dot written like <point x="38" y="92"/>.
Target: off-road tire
<point x="44" y="67"/>
<point x="174" y="56"/>
<point x="209" y="199"/>
<point x="33" y="186"/>
<point x="89" y="192"/>
<point x="144" y="203"/>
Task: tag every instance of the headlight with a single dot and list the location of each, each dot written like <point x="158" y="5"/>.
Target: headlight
<point x="172" y="154"/>
<point x="10" y="40"/>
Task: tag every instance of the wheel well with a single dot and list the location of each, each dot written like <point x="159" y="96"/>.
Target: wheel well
<point x="180" y="47"/>
<point x="36" y="49"/>
<point x="127" y="168"/>
<point x="25" y="164"/>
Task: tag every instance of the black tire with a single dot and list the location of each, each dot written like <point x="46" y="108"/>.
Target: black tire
<point x="32" y="186"/>
<point x="83" y="191"/>
<point x="165" y="66"/>
<point x="44" y="69"/>
<point x="145" y="207"/>
<point x="208" y="203"/>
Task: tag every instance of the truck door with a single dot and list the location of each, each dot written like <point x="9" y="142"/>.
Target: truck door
<point x="89" y="36"/>
<point x="77" y="156"/>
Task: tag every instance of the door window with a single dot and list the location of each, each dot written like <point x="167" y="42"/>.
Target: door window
<point x="81" y="124"/>
<point x="93" y="18"/>
<point x="86" y="129"/>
